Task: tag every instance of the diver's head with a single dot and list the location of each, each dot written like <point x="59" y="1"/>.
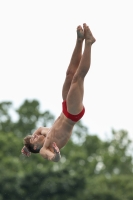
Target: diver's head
<point x="34" y="142"/>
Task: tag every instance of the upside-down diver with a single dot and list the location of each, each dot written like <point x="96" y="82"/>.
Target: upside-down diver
<point x="49" y="141"/>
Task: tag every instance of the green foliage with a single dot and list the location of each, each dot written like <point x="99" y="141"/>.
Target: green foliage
<point x="5" y="118"/>
<point x="29" y="118"/>
<point x="117" y="187"/>
<point x="90" y="169"/>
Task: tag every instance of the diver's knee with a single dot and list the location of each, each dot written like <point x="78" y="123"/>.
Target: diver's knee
<point x="78" y="77"/>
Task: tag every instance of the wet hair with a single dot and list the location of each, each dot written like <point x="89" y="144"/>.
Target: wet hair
<point x="30" y="146"/>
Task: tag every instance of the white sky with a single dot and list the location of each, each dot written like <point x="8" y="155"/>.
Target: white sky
<point x="36" y="42"/>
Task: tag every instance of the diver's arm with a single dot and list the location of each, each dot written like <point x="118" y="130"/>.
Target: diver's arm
<point x="41" y="131"/>
<point x="49" y="155"/>
<point x="38" y="131"/>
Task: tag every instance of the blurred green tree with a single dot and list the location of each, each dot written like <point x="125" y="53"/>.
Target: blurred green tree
<point x="89" y="168"/>
<point x="5" y="116"/>
<point x="29" y="117"/>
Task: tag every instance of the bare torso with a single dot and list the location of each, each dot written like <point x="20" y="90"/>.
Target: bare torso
<point x="72" y="92"/>
<point x="59" y="133"/>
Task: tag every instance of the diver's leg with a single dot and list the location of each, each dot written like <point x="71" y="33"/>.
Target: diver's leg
<point x="74" y="62"/>
<point x="76" y="92"/>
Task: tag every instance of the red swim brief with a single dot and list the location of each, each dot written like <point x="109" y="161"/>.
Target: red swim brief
<point x="74" y="118"/>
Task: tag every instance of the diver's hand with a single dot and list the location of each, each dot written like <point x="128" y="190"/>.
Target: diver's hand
<point x="25" y="151"/>
<point x="57" y="155"/>
<point x="56" y="149"/>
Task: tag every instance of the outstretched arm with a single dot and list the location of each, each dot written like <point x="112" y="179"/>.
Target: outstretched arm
<point x="49" y="155"/>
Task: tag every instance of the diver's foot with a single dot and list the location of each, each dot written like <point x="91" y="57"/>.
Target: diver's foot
<point x="80" y="34"/>
<point x="88" y="35"/>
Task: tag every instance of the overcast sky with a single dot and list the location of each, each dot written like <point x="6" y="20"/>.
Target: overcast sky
<point x="36" y="42"/>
